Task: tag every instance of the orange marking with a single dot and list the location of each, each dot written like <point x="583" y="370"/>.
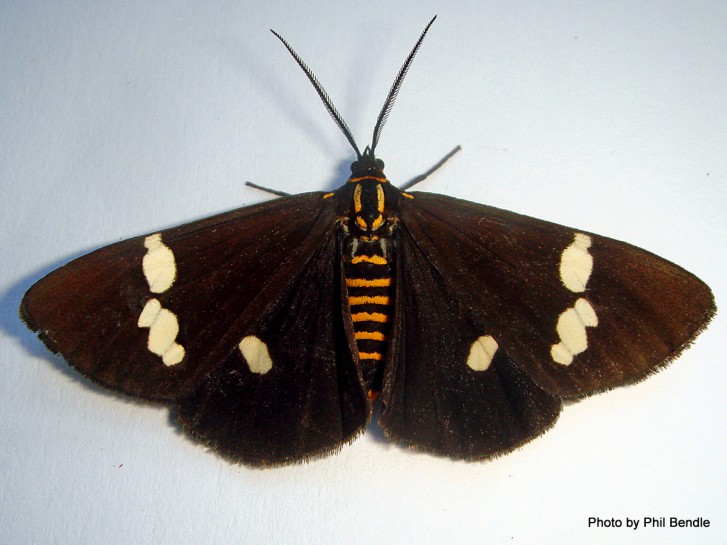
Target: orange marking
<point x="369" y="336"/>
<point x="373" y="395"/>
<point x="363" y="299"/>
<point x="377" y="222"/>
<point x="408" y="195"/>
<point x="369" y="317"/>
<point x="375" y="178"/>
<point x="328" y="195"/>
<point x="364" y="283"/>
<point x="375" y="259"/>
<point x="379" y="198"/>
<point x="361" y="222"/>
<point x="370" y="356"/>
<point x="357" y="199"/>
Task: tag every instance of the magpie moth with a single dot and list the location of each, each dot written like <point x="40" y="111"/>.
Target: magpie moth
<point x="271" y="329"/>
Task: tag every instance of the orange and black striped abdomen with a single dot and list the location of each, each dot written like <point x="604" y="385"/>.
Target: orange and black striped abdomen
<point x="369" y="281"/>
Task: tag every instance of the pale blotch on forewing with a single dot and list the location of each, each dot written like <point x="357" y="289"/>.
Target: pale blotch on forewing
<point x="586" y="312"/>
<point x="173" y="355"/>
<point x="560" y="354"/>
<point x="159" y="266"/>
<point x="163" y="332"/>
<point x="576" y="264"/>
<point x="571" y="329"/>
<point x="256" y="354"/>
<point x="163" y="329"/>
<point x="149" y="313"/>
<point x="481" y="353"/>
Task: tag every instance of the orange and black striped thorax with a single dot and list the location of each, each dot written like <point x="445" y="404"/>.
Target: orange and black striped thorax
<point x="369" y="271"/>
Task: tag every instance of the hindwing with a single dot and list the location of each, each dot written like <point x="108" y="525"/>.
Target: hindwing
<point x="290" y="391"/>
<point x="447" y="387"/>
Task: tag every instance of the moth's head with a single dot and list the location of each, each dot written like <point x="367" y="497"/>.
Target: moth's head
<point x="367" y="165"/>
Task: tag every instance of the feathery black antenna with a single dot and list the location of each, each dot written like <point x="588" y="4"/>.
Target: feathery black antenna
<point x="322" y="93"/>
<point x="389" y="102"/>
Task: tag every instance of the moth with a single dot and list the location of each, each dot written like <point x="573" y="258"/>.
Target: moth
<point x="271" y="329"/>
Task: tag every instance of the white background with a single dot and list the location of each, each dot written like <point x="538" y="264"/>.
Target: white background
<point x="122" y="118"/>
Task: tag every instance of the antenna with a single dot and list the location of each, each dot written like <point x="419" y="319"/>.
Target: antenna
<point x="394" y="91"/>
<point x="322" y="93"/>
<point x="388" y="103"/>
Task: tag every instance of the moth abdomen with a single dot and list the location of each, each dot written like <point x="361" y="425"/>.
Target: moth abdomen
<point x="369" y="285"/>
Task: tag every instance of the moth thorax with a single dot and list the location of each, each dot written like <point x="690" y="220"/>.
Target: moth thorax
<point x="369" y="204"/>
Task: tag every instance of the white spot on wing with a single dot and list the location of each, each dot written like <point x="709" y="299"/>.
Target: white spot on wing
<point x="560" y="354"/>
<point x="576" y="264"/>
<point x="481" y="353"/>
<point x="163" y="329"/>
<point x="571" y="329"/>
<point x="173" y="355"/>
<point x="159" y="267"/>
<point x="150" y="312"/>
<point x="162" y="332"/>
<point x="586" y="313"/>
<point x="256" y="354"/>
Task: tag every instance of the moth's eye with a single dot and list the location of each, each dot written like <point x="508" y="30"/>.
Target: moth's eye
<point x="379" y="164"/>
<point x="355" y="166"/>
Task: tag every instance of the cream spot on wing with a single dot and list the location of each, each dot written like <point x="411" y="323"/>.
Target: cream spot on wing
<point x="571" y="329"/>
<point x="481" y="353"/>
<point x="560" y="354"/>
<point x="256" y="354"/>
<point x="586" y="313"/>
<point x="163" y="330"/>
<point x="150" y="312"/>
<point x="576" y="264"/>
<point x="159" y="267"/>
<point x="173" y="355"/>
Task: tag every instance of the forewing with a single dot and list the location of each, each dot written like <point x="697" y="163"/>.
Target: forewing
<point x="441" y="394"/>
<point x="151" y="316"/>
<point x="577" y="312"/>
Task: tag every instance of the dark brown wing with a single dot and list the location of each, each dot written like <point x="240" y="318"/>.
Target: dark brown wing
<point x="577" y="312"/>
<point x="432" y="396"/>
<point x="226" y="270"/>
<point x="293" y="392"/>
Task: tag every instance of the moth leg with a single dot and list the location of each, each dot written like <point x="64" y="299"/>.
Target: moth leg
<point x="267" y="189"/>
<point x="426" y="174"/>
